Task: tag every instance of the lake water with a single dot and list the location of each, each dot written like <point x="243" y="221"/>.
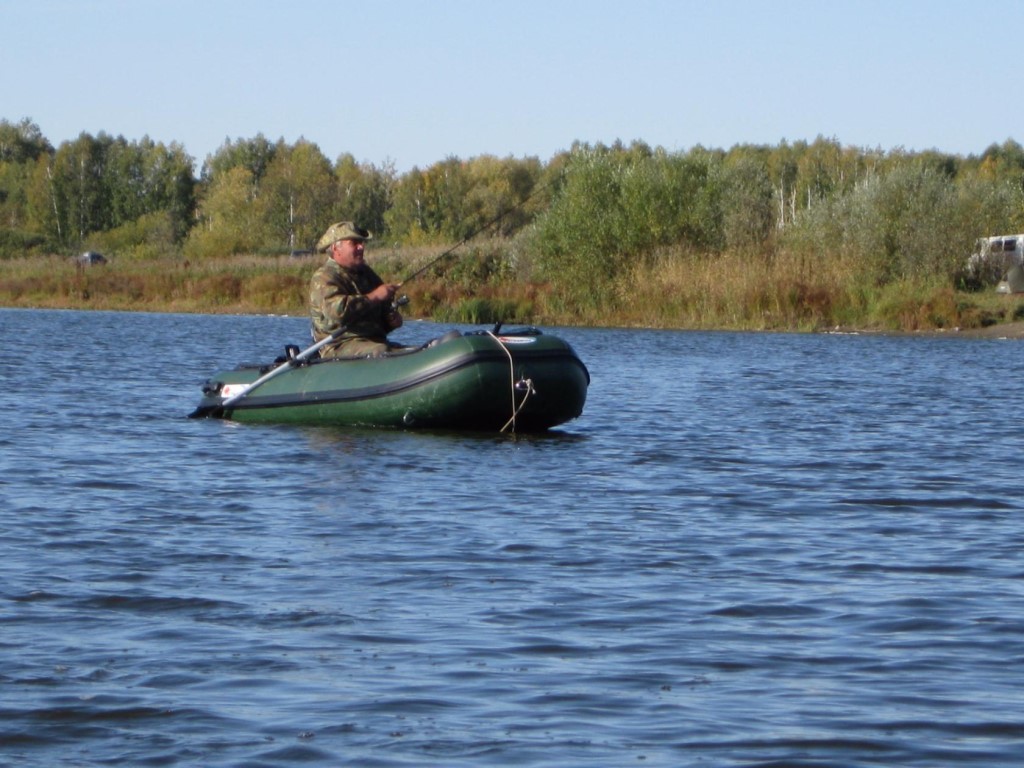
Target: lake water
<point x="750" y="550"/>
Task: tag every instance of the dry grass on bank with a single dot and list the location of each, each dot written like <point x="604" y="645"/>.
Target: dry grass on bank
<point x="243" y="285"/>
<point x="736" y="291"/>
<point x="670" y="289"/>
<point x="789" y="291"/>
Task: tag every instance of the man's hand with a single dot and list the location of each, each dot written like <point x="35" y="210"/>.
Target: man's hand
<point x="384" y="292"/>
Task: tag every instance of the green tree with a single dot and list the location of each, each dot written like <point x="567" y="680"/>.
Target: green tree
<point x="405" y="219"/>
<point x="429" y="205"/>
<point x="616" y="204"/>
<point x="22" y="142"/>
<point x="902" y="225"/>
<point x="1004" y="162"/>
<point x="686" y="206"/>
<point x="447" y="186"/>
<point x="365" y="193"/>
<point x="579" y="239"/>
<point x="98" y="184"/>
<point x="78" y="189"/>
<point x="42" y="213"/>
<point x="255" y="155"/>
<point x="297" y="195"/>
<point x="232" y="212"/>
<point x="146" y="177"/>
<point x="781" y="164"/>
<point x="497" y="194"/>
<point x="230" y="222"/>
<point x="748" y="203"/>
<point x="818" y="171"/>
<point x="21" y="146"/>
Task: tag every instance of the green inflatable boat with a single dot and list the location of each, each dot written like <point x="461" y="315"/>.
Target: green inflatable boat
<point x="520" y="380"/>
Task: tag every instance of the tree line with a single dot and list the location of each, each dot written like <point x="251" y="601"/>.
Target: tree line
<point x="143" y="198"/>
<point x="896" y="214"/>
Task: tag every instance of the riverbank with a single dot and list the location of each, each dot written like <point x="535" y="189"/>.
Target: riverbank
<point x="1010" y="331"/>
<point x="687" y="296"/>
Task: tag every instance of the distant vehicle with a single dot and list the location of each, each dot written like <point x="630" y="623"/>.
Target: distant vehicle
<point x="301" y="254"/>
<point x="999" y="260"/>
<point x="89" y="258"/>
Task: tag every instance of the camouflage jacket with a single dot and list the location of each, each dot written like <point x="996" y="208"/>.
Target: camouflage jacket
<point x="337" y="297"/>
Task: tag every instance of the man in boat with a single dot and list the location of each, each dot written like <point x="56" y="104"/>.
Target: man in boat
<point x="346" y="293"/>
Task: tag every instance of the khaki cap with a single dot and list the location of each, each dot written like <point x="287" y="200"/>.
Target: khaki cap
<point x="343" y="230"/>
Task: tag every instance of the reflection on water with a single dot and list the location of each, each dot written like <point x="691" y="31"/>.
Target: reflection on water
<point x="750" y="550"/>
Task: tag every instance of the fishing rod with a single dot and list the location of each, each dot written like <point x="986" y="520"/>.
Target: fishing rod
<point x="483" y="228"/>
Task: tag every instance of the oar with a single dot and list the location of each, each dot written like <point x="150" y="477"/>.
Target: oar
<point x="291" y="362"/>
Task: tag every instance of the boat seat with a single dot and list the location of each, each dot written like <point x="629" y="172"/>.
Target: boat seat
<point x="452" y="334"/>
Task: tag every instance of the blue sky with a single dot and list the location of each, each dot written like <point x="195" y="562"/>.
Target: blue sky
<point x="412" y="83"/>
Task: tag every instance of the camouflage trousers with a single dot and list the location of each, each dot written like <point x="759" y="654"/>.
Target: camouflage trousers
<point x="358" y="347"/>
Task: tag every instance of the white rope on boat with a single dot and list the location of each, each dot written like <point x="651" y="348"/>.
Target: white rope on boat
<point x="512" y="385"/>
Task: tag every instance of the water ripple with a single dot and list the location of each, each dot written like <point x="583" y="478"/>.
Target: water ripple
<point x="753" y="550"/>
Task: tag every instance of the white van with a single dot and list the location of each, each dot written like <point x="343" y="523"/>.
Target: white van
<point x="1000" y="259"/>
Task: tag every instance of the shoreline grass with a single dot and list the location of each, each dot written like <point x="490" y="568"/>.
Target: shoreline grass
<point x="670" y="289"/>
